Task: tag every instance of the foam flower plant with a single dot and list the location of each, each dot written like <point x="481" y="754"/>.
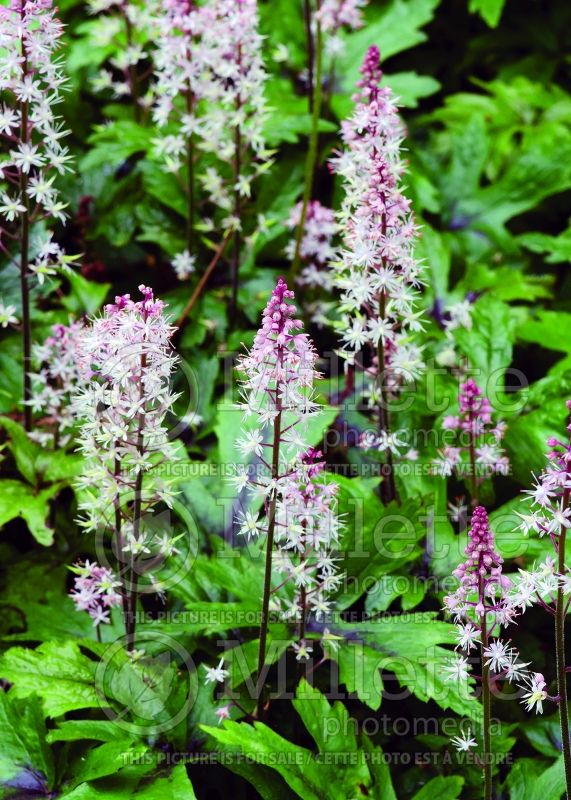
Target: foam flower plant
<point x="180" y="81"/>
<point x="481" y="606"/>
<point x="127" y="360"/>
<point x="377" y="275"/>
<point x="232" y="127"/>
<point x="548" y="585"/>
<point x="31" y="83"/>
<point x="278" y="375"/>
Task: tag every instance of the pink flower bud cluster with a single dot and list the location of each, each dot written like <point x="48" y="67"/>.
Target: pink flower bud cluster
<point x="476" y="435"/>
<point x="316" y="245"/>
<point x="480" y="575"/>
<point x="126" y="358"/>
<point x="56" y="383"/>
<point x="481" y="605"/>
<point x="307" y="535"/>
<point x="31" y="133"/>
<point x="377" y="274"/>
<point x="94" y="591"/>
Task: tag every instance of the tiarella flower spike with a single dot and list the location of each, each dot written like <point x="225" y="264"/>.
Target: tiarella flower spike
<point x="548" y="584"/>
<point x="481" y="607"/>
<point x="333" y="16"/>
<point x="235" y="106"/>
<point x="279" y="372"/>
<point x="126" y="359"/>
<point x="126" y="26"/>
<point x="377" y="275"/>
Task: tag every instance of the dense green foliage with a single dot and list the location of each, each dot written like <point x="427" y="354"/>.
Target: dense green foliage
<point x="485" y="88"/>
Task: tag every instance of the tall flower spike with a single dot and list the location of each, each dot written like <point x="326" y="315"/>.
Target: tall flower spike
<point x="377" y="274"/>
<point x="127" y="358"/>
<point x="278" y="393"/>
<point x="477" y="439"/>
<point x="180" y="68"/>
<point x="31" y="81"/>
<point x="481" y="606"/>
<point x="234" y="114"/>
<point x="307" y="536"/>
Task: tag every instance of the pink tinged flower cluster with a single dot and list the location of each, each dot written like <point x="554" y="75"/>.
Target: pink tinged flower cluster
<point x="277" y="390"/>
<point x="377" y="274"/>
<point x="550" y="510"/>
<point x="55" y="384"/>
<point x="483" y="596"/>
<point x="31" y="81"/>
<point x="317" y="248"/>
<point x="180" y="77"/>
<point x="336" y="14"/>
<point x="127" y="360"/>
<point x="307" y="537"/>
<point x="95" y="591"/>
<point x="476" y="436"/>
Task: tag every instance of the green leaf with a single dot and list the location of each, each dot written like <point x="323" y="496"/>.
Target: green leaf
<point x="329" y="725"/>
<point x="86" y="296"/>
<point x="443" y="788"/>
<point x="359" y="672"/>
<point x="394" y="27"/>
<point x="57" y="672"/>
<point x="409" y="645"/>
<point x="530" y="780"/>
<point x="488" y="345"/>
<point x="17" y="499"/>
<point x="24" y="450"/>
<point x="175" y="786"/>
<point x="296" y="765"/>
<point x="75" y="730"/>
<point x="526" y="438"/>
<point x="25" y="759"/>
<point x="550" y="329"/>
<point x="558" y="248"/>
<point x="105" y="759"/>
<point x="113" y="143"/>
<point x="489" y="10"/>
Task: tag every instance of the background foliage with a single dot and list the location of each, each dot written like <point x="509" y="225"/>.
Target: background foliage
<point x="485" y="86"/>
